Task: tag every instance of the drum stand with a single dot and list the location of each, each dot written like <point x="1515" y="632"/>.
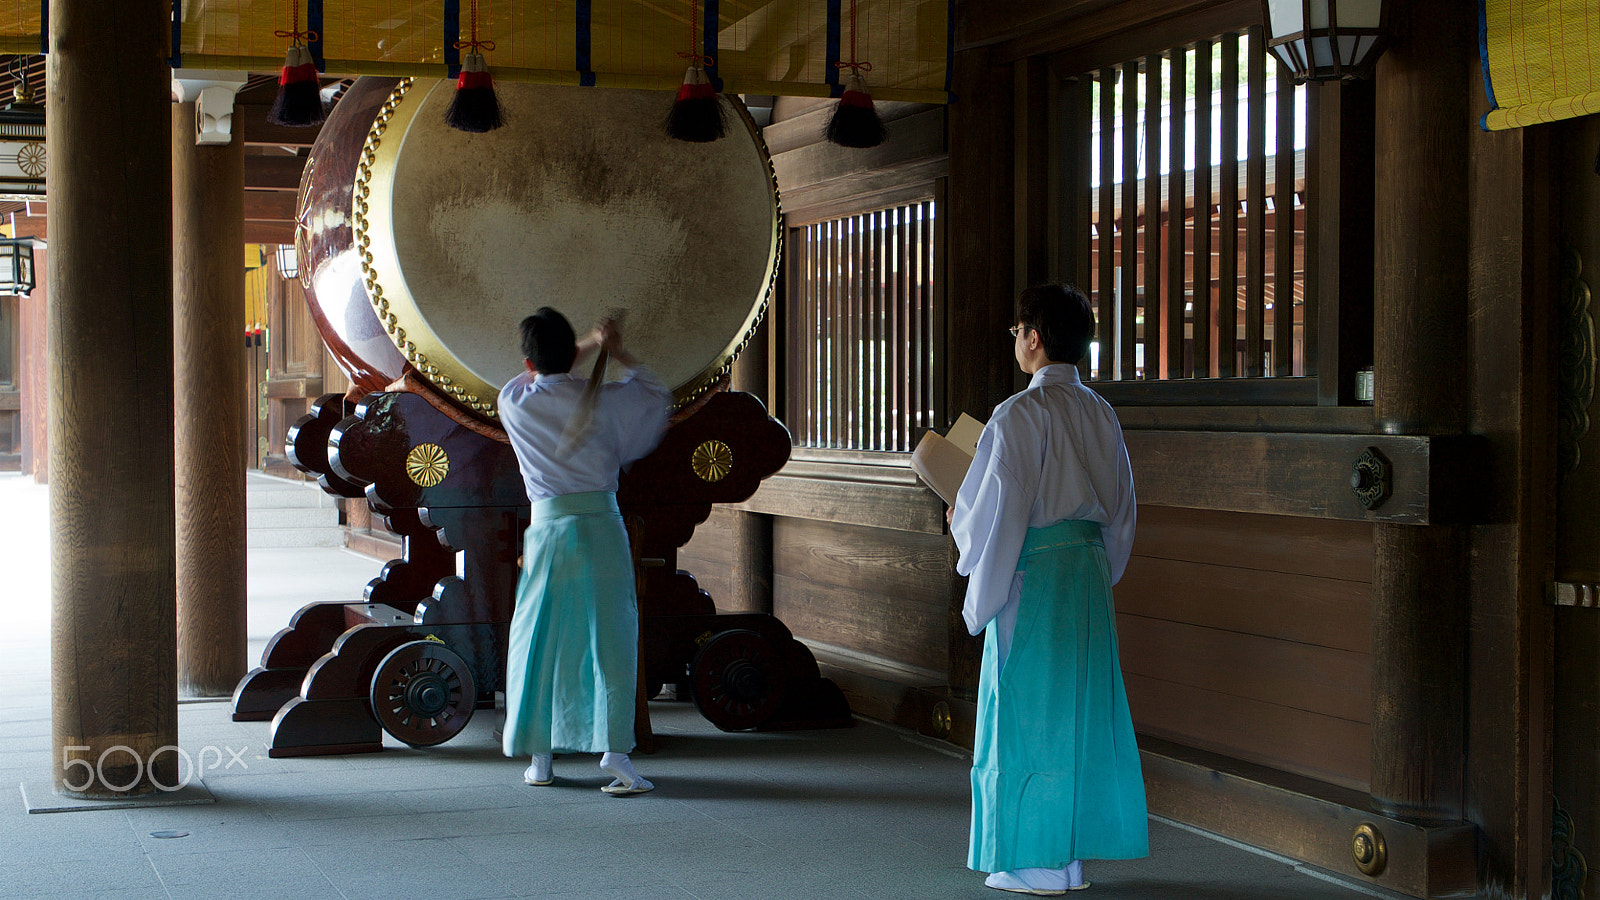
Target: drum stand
<point x="427" y="646"/>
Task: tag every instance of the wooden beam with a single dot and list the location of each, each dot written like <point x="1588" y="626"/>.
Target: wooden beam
<point x="275" y="173"/>
<point x="850" y="495"/>
<point x="272" y="206"/>
<point x="1302" y="474"/>
<point x="1114" y="33"/>
<point x="1304" y="819"/>
<point x="30" y="226"/>
<point x="268" y="232"/>
<point x="250" y="126"/>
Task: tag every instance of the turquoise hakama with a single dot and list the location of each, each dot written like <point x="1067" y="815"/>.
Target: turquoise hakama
<point x="571" y="669"/>
<point x="1056" y="773"/>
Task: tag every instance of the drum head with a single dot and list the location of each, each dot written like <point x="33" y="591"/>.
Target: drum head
<point x="580" y="202"/>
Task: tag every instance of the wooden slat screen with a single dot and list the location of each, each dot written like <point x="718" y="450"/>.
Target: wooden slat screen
<point x="860" y="330"/>
<point x="1196" y="260"/>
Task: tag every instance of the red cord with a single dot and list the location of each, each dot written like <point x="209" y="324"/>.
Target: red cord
<point x="294" y="33"/>
<point x="474" y="44"/>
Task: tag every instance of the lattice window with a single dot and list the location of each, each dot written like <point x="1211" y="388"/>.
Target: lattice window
<point x="860" y="330"/>
<point x="1213" y="287"/>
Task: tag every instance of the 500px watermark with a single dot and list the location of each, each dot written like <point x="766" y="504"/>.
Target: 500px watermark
<point x="189" y="766"/>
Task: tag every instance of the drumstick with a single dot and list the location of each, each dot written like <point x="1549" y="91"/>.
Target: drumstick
<point x="583" y="417"/>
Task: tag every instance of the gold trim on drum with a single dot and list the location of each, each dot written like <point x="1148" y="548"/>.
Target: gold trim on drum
<point x="712" y="461"/>
<point x="427" y="464"/>
<point x="708" y="379"/>
<point x="395" y="306"/>
<point x="377" y="158"/>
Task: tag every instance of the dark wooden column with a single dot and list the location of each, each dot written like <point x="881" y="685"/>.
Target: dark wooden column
<point x="751" y="536"/>
<point x="1420" y="602"/>
<point x="981" y="272"/>
<point x="110" y="343"/>
<point x="208" y="301"/>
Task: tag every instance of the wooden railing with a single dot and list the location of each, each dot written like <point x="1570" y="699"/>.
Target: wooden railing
<point x="1195" y="245"/>
<point x="860" y="330"/>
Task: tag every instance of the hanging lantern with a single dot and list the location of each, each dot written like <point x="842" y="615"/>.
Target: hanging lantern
<point x="16" y="266"/>
<point x="1326" y="40"/>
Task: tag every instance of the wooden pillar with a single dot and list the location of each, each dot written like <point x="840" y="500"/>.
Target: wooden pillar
<point x="981" y="272"/>
<point x="113" y="677"/>
<point x="1420" y="603"/>
<point x="752" y="532"/>
<point x="208" y="302"/>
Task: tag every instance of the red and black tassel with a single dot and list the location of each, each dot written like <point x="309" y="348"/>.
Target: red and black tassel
<point x="475" y="108"/>
<point x="855" y="121"/>
<point x="697" y="115"/>
<point x="299" y="100"/>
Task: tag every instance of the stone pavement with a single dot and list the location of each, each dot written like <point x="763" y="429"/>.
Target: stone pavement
<point x="869" y="811"/>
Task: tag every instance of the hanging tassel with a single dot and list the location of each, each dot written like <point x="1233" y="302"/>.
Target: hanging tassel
<point x="697" y="115"/>
<point x="855" y="121"/>
<point x="299" y="100"/>
<point x="475" y="107"/>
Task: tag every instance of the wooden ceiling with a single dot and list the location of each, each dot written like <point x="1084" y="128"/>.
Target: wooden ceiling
<point x="274" y="156"/>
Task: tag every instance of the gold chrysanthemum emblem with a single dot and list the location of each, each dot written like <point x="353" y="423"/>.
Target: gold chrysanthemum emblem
<point x="712" y="461"/>
<point x="31" y="159"/>
<point x="427" y="464"/>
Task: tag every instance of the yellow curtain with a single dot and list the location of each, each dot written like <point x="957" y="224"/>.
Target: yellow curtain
<point x="1541" y="60"/>
<point x="786" y="47"/>
<point x="257" y="286"/>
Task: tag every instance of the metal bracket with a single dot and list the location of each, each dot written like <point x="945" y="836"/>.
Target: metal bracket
<point x="1372" y="478"/>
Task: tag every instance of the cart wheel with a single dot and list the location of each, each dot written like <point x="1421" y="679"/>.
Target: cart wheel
<point x="422" y="693"/>
<point x="738" y="680"/>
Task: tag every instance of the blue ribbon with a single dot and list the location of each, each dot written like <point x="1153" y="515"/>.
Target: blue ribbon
<point x="314" y="25"/>
<point x="708" y="29"/>
<point x="452" y="34"/>
<point x="830" y="65"/>
<point x="176" y="59"/>
<point x="582" y="38"/>
<point x="949" y="48"/>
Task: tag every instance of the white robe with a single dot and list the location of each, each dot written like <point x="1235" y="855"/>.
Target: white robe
<point x="629" y="418"/>
<point x="1052" y="452"/>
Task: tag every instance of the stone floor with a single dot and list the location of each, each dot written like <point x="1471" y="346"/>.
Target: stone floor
<point x="868" y="811"/>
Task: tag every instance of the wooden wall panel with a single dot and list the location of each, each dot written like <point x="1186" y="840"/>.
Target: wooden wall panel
<point x="1288" y="673"/>
<point x="1323" y="611"/>
<point x="1249" y="635"/>
<point x="1322" y="747"/>
<point x="880" y="593"/>
<point x="1320" y="547"/>
<point x="709" y="556"/>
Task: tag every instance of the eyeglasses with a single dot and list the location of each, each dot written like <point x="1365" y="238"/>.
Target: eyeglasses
<point x="1016" y="330"/>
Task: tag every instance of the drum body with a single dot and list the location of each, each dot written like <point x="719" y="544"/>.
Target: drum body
<point x="423" y="247"/>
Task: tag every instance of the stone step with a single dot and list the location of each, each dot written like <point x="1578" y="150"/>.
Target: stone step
<point x="266" y="490"/>
<point x="281" y="512"/>
<point x="292" y="517"/>
<point x="308" y="497"/>
<point x="294" y="537"/>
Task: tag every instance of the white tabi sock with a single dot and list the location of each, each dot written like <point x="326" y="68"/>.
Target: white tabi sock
<point x="618" y="766"/>
<point x="539" y="772"/>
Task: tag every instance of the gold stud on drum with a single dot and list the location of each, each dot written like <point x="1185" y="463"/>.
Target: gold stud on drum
<point x="427" y="464"/>
<point x="712" y="461"/>
<point x="1368" y="850"/>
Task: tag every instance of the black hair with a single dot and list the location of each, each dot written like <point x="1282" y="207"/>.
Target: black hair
<point x="1062" y="316"/>
<point x="548" y="341"/>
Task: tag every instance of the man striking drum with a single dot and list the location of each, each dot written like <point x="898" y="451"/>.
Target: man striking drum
<point x="572" y="659"/>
